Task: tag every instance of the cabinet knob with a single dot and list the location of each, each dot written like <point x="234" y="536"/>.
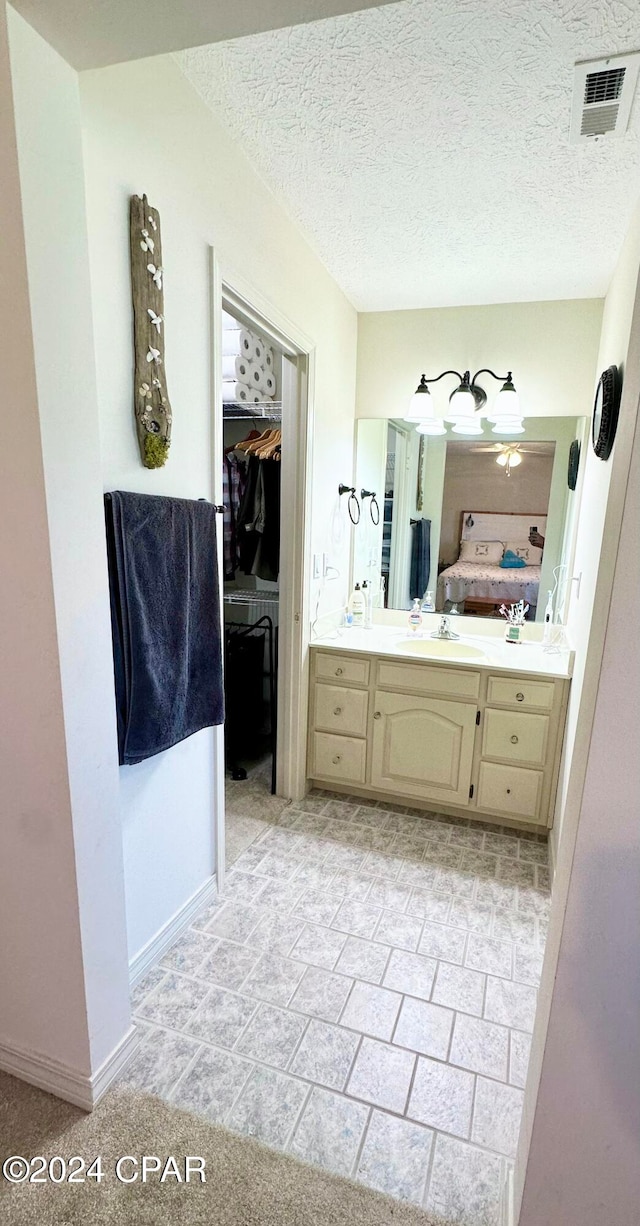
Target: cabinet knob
<point x="376" y="714"/>
<point x="337" y="710"/>
<point x="337" y="759"/>
<point x="514" y="739"/>
<point x="339" y="672"/>
<point x="508" y="790"/>
<point x="520" y="696"/>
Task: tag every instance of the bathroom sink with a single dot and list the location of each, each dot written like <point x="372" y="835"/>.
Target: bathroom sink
<point x="437" y="649"/>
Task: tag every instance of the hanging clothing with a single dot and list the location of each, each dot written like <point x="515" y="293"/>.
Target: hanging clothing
<point x="266" y="564"/>
<point x="247" y="535"/>
<point x="233" y="482"/>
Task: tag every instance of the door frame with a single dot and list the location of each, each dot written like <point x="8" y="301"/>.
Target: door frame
<point x="230" y="291"/>
<point x="400" y="527"/>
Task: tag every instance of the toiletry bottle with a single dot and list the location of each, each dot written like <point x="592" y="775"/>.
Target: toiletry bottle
<point x="547" y="633"/>
<point x="427" y="603"/>
<point x="357" y="606"/>
<point x="415" y="618"/>
<point x="368" y="605"/>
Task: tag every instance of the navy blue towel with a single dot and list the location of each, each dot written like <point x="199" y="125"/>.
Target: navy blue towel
<point x="420" y="558"/>
<point x="165" y="620"/>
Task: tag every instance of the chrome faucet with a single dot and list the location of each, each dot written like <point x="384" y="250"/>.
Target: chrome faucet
<point x="444" y="630"/>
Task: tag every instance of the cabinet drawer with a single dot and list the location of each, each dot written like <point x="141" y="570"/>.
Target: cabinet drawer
<point x="427" y="679"/>
<point x="348" y="668"/>
<point x="515" y="735"/>
<point x="339" y="757"/>
<point x="337" y="709"/>
<point x="521" y="692"/>
<point x="510" y="789"/>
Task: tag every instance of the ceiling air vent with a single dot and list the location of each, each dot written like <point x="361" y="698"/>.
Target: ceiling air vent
<point x="602" y="96"/>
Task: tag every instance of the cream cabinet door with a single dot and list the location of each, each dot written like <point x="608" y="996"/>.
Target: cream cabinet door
<point x="423" y="747"/>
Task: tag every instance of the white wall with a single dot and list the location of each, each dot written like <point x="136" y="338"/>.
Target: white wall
<point x="147" y="131"/>
<point x="65" y="1000"/>
<point x="551" y="348"/>
<point x="601" y="496"/>
<point x="577" y="1158"/>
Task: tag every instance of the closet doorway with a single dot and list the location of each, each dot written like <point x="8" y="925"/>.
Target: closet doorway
<point x="262" y="442"/>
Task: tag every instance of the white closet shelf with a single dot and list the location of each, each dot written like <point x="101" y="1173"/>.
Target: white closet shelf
<point x="266" y="410"/>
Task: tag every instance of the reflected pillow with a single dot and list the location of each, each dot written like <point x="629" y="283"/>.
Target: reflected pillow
<point x="489" y="552"/>
<point x="531" y="554"/>
<point x="511" y="561"/>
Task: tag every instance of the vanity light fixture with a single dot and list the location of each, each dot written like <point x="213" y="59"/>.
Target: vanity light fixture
<point x="466" y="405"/>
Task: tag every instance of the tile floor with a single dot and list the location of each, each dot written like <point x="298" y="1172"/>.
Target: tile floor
<point x="362" y="995"/>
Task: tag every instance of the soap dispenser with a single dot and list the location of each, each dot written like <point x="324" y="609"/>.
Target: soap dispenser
<point x="427" y="603"/>
<point x="415" y="618"/>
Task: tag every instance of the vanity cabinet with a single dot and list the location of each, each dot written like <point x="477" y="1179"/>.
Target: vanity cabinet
<point x="423" y="746"/>
<point x="473" y="741"/>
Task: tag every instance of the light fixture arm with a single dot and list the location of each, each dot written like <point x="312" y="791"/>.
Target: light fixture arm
<point x="457" y="374"/>
<point x="486" y="371"/>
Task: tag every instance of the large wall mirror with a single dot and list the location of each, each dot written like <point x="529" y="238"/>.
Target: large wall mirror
<point x="477" y="522"/>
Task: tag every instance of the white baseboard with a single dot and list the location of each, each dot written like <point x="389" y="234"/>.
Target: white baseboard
<point x="164" y="938"/>
<point x="59" y="1079"/>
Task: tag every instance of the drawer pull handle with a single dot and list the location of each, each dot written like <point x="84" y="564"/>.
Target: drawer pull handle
<point x="337" y="710"/>
<point x="514" y="739"/>
<point x="376" y="714"/>
<point x="519" y="696"/>
<point x="339" y="672"/>
<point x="337" y="759"/>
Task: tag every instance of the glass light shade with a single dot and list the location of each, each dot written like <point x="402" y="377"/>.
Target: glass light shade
<point x="506" y="403"/>
<point x="511" y="458"/>
<point x="421" y="404"/>
<point x="461" y="405"/>
<point x="514" y="459"/>
<point x="502" y="459"/>
<point x="513" y="426"/>
<point x="431" y="426"/>
<point x="467" y="427"/>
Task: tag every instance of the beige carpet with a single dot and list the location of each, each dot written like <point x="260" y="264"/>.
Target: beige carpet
<point x="247" y="1184"/>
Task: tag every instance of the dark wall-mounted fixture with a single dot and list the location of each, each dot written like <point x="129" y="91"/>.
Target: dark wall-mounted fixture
<point x="605" y="412"/>
<point x="353" y="506"/>
<point x="467" y="406"/>
<point x="374" y="509"/>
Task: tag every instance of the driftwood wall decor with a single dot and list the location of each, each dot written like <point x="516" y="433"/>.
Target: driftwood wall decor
<point x="151" y="400"/>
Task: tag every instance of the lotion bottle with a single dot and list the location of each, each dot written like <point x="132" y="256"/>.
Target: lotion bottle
<point x="357" y="605"/>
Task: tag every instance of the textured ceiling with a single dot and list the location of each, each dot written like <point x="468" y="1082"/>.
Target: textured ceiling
<point x="423" y="147"/>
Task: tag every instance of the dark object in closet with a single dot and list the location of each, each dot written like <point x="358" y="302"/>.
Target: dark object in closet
<point x="165" y="620"/>
<point x="259" y="520"/>
<point x="233" y="482"/>
<point x="420" y="557"/>
<point x="250" y="658"/>
<point x="267" y="560"/>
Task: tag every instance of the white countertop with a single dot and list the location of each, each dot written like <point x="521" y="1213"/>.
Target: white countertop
<point x="396" y="643"/>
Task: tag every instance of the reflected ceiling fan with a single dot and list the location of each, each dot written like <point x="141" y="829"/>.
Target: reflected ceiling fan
<point x="508" y="455"/>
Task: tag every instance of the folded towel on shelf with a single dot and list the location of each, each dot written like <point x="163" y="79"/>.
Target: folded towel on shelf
<point x="511" y="561"/>
<point x="165" y="620"/>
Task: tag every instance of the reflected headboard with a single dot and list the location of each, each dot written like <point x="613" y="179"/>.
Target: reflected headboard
<point x="498" y="526"/>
